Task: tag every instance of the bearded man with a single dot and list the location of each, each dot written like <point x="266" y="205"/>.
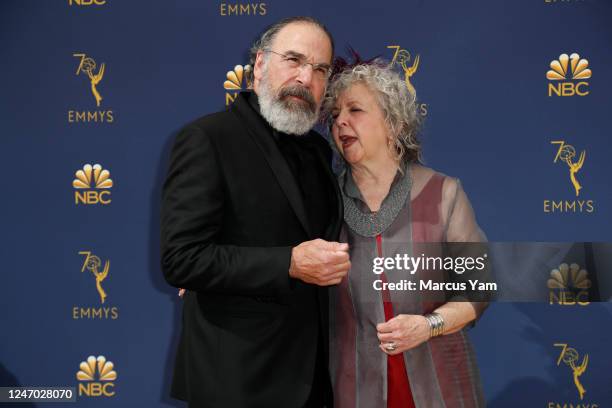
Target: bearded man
<point x="250" y="214"/>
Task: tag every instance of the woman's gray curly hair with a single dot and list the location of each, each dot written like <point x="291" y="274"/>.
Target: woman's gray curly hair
<point x="397" y="103"/>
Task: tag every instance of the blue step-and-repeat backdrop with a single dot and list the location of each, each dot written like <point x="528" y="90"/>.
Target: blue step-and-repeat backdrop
<point x="516" y="97"/>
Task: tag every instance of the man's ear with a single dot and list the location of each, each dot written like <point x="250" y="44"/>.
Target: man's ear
<point x="259" y="63"/>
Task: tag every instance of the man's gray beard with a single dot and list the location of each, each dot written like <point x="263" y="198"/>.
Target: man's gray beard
<point x="294" y="120"/>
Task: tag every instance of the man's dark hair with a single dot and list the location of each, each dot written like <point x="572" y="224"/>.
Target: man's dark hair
<point x="266" y="39"/>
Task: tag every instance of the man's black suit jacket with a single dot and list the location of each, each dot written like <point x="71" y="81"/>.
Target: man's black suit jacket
<point x="231" y="212"/>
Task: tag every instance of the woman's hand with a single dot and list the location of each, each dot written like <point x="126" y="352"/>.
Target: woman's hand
<point x="402" y="333"/>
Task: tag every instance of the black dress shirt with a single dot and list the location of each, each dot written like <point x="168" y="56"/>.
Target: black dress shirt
<point x="301" y="156"/>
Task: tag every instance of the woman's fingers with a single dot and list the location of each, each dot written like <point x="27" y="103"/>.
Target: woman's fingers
<point x="403" y="331"/>
<point x="387" y="337"/>
<point x="388" y="351"/>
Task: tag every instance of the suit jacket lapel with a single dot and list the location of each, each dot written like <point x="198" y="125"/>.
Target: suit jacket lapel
<point x="262" y="137"/>
<point x="333" y="232"/>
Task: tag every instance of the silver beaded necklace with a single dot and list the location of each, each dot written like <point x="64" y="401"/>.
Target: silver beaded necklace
<point x="371" y="223"/>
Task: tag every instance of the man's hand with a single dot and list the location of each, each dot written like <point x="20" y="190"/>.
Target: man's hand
<point x="320" y="262"/>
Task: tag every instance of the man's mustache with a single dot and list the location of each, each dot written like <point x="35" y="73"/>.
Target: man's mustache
<point x="300" y="92"/>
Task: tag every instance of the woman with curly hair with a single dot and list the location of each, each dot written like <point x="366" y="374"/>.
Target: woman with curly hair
<point x="393" y="348"/>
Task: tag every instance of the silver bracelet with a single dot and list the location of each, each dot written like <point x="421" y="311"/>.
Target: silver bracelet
<point x="436" y="324"/>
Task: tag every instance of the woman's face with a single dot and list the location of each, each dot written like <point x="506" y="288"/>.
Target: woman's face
<point x="359" y="129"/>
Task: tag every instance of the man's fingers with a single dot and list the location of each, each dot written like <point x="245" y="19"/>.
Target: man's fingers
<point x="341" y="273"/>
<point x="338" y="270"/>
<point x="320" y="262"/>
<point x="341" y="246"/>
<point x="327" y="258"/>
<point x="335" y="280"/>
<point x="336" y="257"/>
<point x="332" y="246"/>
<point x="327" y="282"/>
<point x="336" y="277"/>
<point x="337" y="274"/>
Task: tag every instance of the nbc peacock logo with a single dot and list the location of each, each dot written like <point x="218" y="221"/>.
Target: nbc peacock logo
<point x="92" y="185"/>
<point x="568" y="75"/>
<point x="236" y="80"/>
<point x="562" y="2"/>
<point x="84" y="3"/>
<point x="96" y="377"/>
<point x="569" y="285"/>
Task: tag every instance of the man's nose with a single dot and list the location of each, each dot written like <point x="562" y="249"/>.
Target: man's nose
<point x="305" y="75"/>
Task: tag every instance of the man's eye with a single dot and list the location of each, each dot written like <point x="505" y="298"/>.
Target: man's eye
<point x="355" y="110"/>
<point x="292" y="60"/>
<point x="321" y="70"/>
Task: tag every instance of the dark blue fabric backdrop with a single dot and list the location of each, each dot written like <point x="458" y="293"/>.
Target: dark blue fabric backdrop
<point x="489" y="121"/>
